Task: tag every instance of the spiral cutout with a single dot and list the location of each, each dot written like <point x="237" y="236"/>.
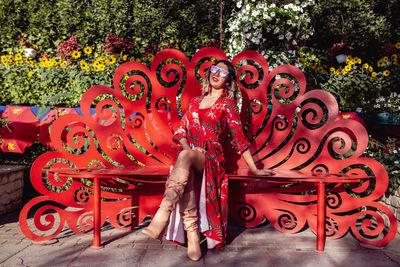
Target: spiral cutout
<point x="107" y="112"/>
<point x="136" y="120"/>
<point x="340" y="145"/>
<point x="171" y="74"/>
<point x="114" y="142"/>
<point x="320" y="169"/>
<point x="85" y="222"/>
<point x="334" y="200"/>
<point x="313" y="113"/>
<point x="247" y="212"/>
<point x="45" y="218"/>
<point x="82" y="195"/>
<point x="280" y="123"/>
<point x="366" y="187"/>
<point x="331" y="227"/>
<point x="287" y="220"/>
<point x="126" y="217"/>
<point x="52" y="181"/>
<point x="164" y="104"/>
<point x="302" y="145"/>
<point x="250" y="74"/>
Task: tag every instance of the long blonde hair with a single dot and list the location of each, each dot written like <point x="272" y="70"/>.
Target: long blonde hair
<point x="231" y="87"/>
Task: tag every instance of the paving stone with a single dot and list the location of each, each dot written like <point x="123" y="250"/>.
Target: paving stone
<point x="44" y="256"/>
<point x="362" y="258"/>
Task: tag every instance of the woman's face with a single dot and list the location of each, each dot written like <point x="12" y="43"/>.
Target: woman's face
<point x="217" y="81"/>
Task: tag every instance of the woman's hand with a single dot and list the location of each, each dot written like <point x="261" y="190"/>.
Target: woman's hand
<point x="262" y="172"/>
<point x="199" y="149"/>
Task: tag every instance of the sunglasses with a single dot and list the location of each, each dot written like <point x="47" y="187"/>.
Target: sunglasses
<point x="223" y="73"/>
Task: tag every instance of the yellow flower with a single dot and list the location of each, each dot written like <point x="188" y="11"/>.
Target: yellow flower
<point x="132" y="59"/>
<point x="226" y="51"/>
<point x="348" y="68"/>
<point x="111" y="60"/>
<point x="124" y="57"/>
<point x="64" y="63"/>
<point x="150" y="56"/>
<point x="101" y="59"/>
<point x="138" y="60"/>
<point x="380" y="63"/>
<point x="4" y="59"/>
<point x="373" y="74"/>
<point x="371" y="69"/>
<point x="102" y="67"/>
<point x="344" y="72"/>
<point x="394" y="57"/>
<point x="371" y="79"/>
<point x="42" y="64"/>
<point x="320" y="69"/>
<point x="87" y="68"/>
<point x="96" y="68"/>
<point x="126" y="77"/>
<point x="15" y="73"/>
<point x="30" y="74"/>
<point x="398" y="45"/>
<point x="83" y="64"/>
<point x="332" y="69"/>
<point x="337" y="72"/>
<point x="313" y="65"/>
<point x="366" y="66"/>
<point x="385" y="59"/>
<point x="87" y="50"/>
<point x="18" y="57"/>
<point x="386" y="73"/>
<point x="76" y="54"/>
<point x="10" y="58"/>
<point x="359" y="60"/>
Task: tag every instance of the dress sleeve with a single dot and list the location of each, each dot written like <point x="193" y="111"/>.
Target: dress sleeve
<point x="181" y="132"/>
<point x="239" y="141"/>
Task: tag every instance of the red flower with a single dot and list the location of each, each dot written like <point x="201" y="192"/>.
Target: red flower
<point x="66" y="48"/>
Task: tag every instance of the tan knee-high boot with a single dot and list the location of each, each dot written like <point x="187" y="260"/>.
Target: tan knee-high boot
<point x="174" y="189"/>
<point x="190" y="222"/>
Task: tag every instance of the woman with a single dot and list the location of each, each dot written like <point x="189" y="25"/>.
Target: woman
<point x="203" y="208"/>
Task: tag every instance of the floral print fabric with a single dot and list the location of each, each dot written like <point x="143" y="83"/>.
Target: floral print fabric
<point x="204" y="128"/>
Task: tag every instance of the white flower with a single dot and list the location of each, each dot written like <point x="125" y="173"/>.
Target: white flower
<point x="276" y="30"/>
<point x="272" y="14"/>
<point x="239" y="4"/>
<point x="280" y="37"/>
<point x="273" y="5"/>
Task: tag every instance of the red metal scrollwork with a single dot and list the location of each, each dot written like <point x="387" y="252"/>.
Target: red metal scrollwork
<point x="289" y="127"/>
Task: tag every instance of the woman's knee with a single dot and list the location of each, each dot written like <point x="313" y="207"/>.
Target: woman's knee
<point x="188" y="156"/>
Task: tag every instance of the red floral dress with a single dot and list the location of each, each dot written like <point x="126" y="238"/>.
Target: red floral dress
<point x="204" y="128"/>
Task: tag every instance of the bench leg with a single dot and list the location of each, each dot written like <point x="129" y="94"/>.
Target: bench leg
<point x="321" y="213"/>
<point x="97" y="214"/>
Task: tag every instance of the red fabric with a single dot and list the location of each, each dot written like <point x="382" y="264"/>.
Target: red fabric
<point x="205" y="131"/>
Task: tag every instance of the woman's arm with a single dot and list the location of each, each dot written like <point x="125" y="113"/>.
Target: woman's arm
<point x="250" y="162"/>
<point x="184" y="143"/>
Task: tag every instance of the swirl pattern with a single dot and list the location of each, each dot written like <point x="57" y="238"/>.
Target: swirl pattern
<point x="290" y="128"/>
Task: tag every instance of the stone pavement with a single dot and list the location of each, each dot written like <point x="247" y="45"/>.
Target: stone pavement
<point x="262" y="246"/>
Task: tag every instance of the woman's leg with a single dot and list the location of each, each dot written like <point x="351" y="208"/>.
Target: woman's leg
<point x="174" y="189"/>
<point x="190" y="219"/>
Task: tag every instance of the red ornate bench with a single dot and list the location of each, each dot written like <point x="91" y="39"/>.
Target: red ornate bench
<point x="296" y="132"/>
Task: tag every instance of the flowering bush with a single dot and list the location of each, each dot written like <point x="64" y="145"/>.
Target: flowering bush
<point x="65" y="49"/>
<point x="339" y="48"/>
<point x="387" y="153"/>
<point x="30" y="81"/>
<point x="115" y="45"/>
<point x="357" y="84"/>
<point x="274" y="30"/>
